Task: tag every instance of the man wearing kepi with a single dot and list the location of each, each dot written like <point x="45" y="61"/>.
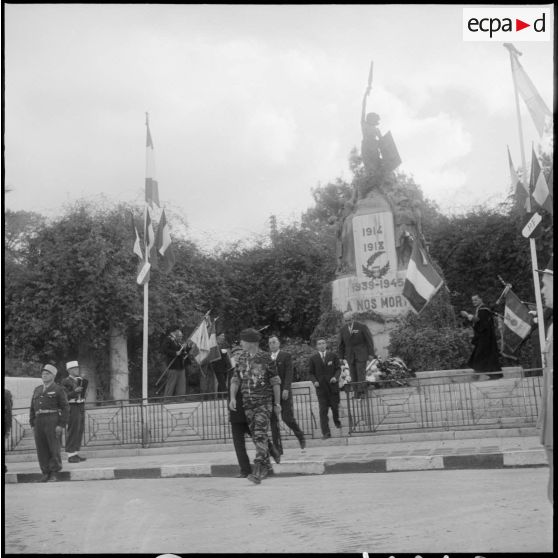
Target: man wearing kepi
<point x="48" y="416"/>
<point x="256" y="375"/>
<point x="545" y="422"/>
<point x="75" y="387"/>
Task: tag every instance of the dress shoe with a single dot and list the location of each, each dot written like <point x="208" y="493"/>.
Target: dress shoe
<point x="242" y="475"/>
<point x="302" y="443"/>
<point x="82" y="458"/>
<point x="326" y="436"/>
<point x="53" y="478"/>
<point x="44" y="478"/>
<point x="74" y="459"/>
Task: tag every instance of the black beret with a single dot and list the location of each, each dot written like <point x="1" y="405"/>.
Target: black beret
<point x="250" y="335"/>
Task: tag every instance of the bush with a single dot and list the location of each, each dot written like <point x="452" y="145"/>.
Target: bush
<point x="432" y="340"/>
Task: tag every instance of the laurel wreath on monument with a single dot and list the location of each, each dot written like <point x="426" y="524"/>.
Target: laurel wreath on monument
<point x="382" y="271"/>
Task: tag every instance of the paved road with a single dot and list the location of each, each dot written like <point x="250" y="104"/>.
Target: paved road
<point x="503" y="510"/>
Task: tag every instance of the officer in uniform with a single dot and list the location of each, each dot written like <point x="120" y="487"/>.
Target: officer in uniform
<point x="256" y="375"/>
<point x="48" y="415"/>
<point x="75" y="387"/>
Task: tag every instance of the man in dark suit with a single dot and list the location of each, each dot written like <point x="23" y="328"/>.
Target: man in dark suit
<point x="284" y="363"/>
<point x="356" y="347"/>
<point x="324" y="372"/>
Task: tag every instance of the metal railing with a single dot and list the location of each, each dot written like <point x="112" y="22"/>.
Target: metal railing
<point x="443" y="403"/>
<point x="162" y="420"/>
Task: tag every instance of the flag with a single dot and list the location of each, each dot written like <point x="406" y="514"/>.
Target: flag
<point x="214" y="349"/>
<point x="517" y="323"/>
<point x="422" y="281"/>
<point x="200" y="342"/>
<point x="151" y="185"/>
<point x="540" y="113"/>
<point x="518" y="187"/>
<point x="137" y="242"/>
<point x="538" y="186"/>
<point x="163" y="243"/>
<point x="142" y="275"/>
<point x="152" y="192"/>
<point x="149" y="237"/>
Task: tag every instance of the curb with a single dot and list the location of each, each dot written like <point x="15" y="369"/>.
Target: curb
<point x="500" y="460"/>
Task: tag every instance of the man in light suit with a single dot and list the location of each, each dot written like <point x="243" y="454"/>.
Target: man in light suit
<point x="356" y="347"/>
<point x="324" y="372"/>
<point x="284" y="363"/>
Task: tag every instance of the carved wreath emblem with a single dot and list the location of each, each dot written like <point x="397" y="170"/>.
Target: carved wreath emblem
<point x="375" y="271"/>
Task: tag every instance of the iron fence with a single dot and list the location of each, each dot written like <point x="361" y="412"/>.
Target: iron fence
<point x="162" y="420"/>
<point x="442" y="403"/>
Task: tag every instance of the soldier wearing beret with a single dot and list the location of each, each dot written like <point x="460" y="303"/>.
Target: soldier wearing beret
<point x="75" y="387"/>
<point x="256" y="376"/>
<point x="48" y="415"/>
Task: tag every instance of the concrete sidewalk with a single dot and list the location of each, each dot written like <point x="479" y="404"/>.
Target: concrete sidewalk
<point x="365" y="454"/>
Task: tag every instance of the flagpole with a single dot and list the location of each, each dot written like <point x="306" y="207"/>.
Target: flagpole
<point x="532" y="246"/>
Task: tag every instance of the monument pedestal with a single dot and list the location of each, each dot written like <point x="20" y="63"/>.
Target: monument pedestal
<point x="374" y="287"/>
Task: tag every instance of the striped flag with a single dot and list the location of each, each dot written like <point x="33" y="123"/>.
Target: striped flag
<point x="517" y="323"/>
<point x="540" y="192"/>
<point x="200" y="342"/>
<point x="151" y="185"/>
<point x="149" y="237"/>
<point x="422" y="281"/>
<point x="518" y="188"/>
<point x="214" y="350"/>
<point x="144" y="266"/>
<point x="538" y="110"/>
<point x="163" y="243"/>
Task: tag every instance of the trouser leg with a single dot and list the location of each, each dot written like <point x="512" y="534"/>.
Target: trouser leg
<point x="50" y="459"/>
<point x="81" y="424"/>
<point x="324" y="409"/>
<point x="41" y="445"/>
<point x="334" y="404"/>
<point x="73" y="433"/>
<point x="180" y="382"/>
<point x="287" y="414"/>
<point x="239" y="431"/>
<point x="276" y="433"/>
<point x="171" y="382"/>
<point x="258" y="420"/>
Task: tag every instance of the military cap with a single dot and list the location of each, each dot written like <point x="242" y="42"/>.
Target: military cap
<point x="250" y="335"/>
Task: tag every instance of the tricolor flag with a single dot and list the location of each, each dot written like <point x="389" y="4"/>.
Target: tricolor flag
<point x="214" y="350"/>
<point x="200" y="342"/>
<point x="149" y="237"/>
<point x="143" y="266"/>
<point x="151" y="186"/>
<point x="518" y="187"/>
<point x="422" y="281"/>
<point x="517" y="323"/>
<point x="540" y="192"/>
<point x="540" y="113"/>
<point x="163" y="243"/>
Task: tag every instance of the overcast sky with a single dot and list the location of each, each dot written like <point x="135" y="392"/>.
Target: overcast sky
<point x="252" y="106"/>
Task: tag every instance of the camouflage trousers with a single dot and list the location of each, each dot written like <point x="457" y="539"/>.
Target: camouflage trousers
<point x="258" y="417"/>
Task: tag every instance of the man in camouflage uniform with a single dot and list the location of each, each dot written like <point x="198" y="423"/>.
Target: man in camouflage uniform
<point x="256" y="376"/>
